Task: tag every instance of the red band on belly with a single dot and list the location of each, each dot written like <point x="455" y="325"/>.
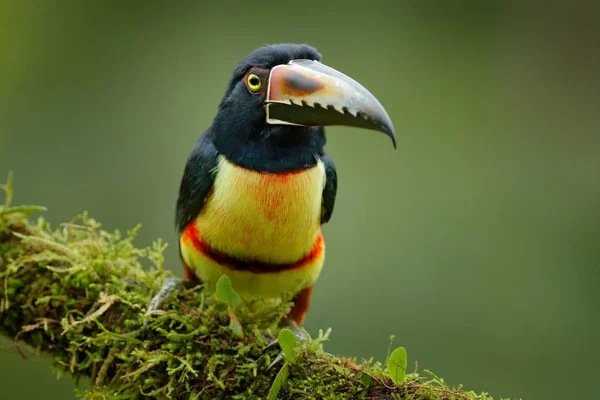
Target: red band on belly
<point x="192" y="235"/>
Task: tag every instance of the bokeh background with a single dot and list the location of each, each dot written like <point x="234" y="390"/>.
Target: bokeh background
<point x="476" y="243"/>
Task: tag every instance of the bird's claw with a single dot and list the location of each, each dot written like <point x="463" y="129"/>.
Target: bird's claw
<point x="300" y="334"/>
<point x="170" y="285"/>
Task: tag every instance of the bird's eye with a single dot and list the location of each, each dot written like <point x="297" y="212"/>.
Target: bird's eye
<point x="254" y="82"/>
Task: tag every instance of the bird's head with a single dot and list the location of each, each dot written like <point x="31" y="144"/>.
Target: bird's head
<point x="281" y="96"/>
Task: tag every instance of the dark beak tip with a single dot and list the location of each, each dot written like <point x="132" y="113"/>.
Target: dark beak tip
<point x="388" y="129"/>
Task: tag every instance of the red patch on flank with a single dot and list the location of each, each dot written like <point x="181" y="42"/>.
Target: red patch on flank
<point x="189" y="275"/>
<point x="315" y="253"/>
<point x="300" y="308"/>
<point x="192" y="235"/>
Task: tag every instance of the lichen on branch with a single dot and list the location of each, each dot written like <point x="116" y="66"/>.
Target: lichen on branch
<point x="80" y="294"/>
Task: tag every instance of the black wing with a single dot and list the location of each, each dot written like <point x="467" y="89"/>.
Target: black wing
<point x="197" y="182"/>
<point x="330" y="189"/>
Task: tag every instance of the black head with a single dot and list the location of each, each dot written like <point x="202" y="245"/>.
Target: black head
<point x="277" y="103"/>
<point x="267" y="57"/>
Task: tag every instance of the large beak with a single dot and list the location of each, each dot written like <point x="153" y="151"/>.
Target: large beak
<point x="307" y="93"/>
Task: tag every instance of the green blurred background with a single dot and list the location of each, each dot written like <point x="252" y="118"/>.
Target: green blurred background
<point x="476" y="243"/>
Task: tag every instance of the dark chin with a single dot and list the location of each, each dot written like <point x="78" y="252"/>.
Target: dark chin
<point x="277" y="148"/>
<point x="290" y="136"/>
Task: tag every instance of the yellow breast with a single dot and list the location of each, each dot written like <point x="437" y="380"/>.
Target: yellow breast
<point x="274" y="218"/>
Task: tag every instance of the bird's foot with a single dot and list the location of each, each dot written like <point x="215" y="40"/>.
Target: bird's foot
<point x="300" y="334"/>
<point x="170" y="285"/>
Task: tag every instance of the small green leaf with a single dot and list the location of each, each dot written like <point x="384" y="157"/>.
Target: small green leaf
<point x="288" y="343"/>
<point x="226" y="293"/>
<point x="366" y="379"/>
<point x="396" y="365"/>
<point x="280" y="379"/>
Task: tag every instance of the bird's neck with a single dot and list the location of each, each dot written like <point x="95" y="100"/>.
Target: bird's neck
<point x="277" y="150"/>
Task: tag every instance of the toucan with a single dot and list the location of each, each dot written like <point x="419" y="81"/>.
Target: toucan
<point x="258" y="185"/>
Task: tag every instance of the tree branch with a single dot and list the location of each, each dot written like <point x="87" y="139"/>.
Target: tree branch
<point x="80" y="294"/>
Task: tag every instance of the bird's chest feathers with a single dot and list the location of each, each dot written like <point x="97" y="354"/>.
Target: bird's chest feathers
<point x="272" y="217"/>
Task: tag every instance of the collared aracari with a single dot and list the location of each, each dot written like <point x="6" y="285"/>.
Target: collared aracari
<point x="258" y="185"/>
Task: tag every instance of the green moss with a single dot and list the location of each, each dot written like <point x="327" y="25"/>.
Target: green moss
<point x="80" y="293"/>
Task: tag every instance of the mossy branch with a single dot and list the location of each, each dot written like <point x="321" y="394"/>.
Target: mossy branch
<point x="80" y="294"/>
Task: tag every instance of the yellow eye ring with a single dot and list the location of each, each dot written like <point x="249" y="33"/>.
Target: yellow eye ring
<point x="254" y="82"/>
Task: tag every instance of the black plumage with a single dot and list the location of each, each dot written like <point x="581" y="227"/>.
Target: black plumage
<point x="240" y="133"/>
